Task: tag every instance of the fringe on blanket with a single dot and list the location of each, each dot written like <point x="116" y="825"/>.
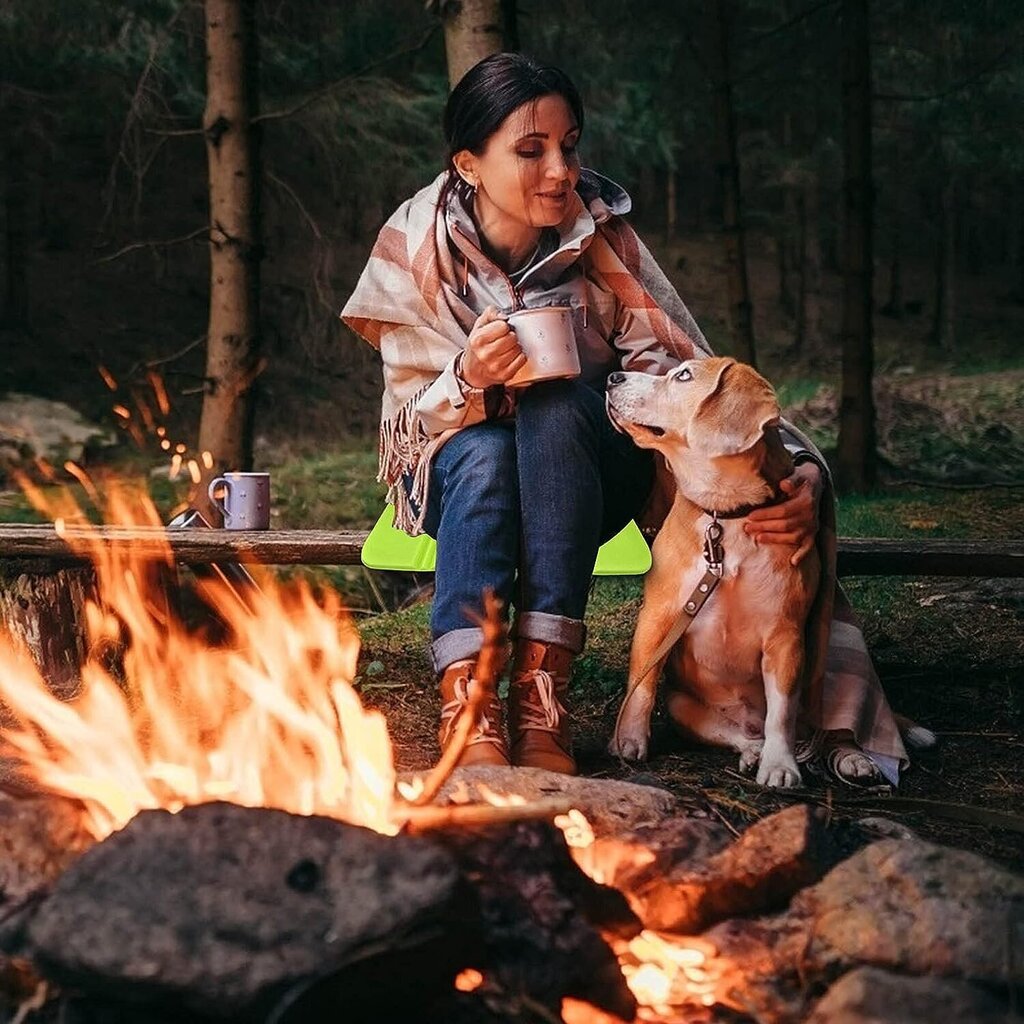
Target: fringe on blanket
<point x="406" y="451"/>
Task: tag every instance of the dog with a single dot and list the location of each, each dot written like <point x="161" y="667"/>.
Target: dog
<point x="735" y="677"/>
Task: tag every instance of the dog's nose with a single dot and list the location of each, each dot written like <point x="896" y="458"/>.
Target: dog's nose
<point x="615" y="378"/>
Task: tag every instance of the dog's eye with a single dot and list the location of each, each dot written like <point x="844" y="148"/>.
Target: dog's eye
<point x="684" y="374"/>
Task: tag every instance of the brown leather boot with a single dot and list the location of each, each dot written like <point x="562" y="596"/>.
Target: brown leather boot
<point x="487" y="743"/>
<point x="538" y="720"/>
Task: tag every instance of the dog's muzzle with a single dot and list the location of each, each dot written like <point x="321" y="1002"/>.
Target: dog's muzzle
<point x="610" y="410"/>
<point x="619" y="420"/>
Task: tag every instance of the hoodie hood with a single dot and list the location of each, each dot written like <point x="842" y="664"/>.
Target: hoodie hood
<point x="602" y="196"/>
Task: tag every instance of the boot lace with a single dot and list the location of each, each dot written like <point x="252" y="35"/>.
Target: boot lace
<point x="539" y="706"/>
<point x="486" y="730"/>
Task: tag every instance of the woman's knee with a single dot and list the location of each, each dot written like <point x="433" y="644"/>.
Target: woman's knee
<point x="559" y="407"/>
<point x="479" y="461"/>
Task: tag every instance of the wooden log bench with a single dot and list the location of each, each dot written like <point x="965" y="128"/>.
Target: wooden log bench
<point x="859" y="556"/>
<point x="44" y="583"/>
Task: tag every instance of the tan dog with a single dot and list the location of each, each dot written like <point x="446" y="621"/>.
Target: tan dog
<point x="734" y="679"/>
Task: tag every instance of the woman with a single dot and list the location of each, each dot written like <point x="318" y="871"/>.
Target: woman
<point x="520" y="485"/>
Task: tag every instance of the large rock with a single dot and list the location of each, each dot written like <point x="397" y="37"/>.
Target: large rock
<point x="916" y="908"/>
<point x="31" y="427"/>
<point x="611" y="807"/>
<point x="221" y="911"/>
<point x="759" y="872"/>
<point x="903" y="905"/>
<point x="542" y="916"/>
<point x="39" y="838"/>
<point x="642" y="861"/>
<point x="872" y="996"/>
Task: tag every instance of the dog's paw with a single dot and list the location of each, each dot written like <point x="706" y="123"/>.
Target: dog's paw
<point x="749" y="757"/>
<point x="854" y="766"/>
<point x="632" y="746"/>
<point x="778" y="771"/>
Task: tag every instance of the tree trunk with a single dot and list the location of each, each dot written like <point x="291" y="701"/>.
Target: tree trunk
<point x="1012" y="253"/>
<point x="943" y="333"/>
<point x="788" y="248"/>
<point x="810" y="264"/>
<point x="800" y="326"/>
<point x="42" y="608"/>
<point x="510" y="24"/>
<point x="741" y="310"/>
<point x="232" y="147"/>
<point x="894" y="305"/>
<point x="671" y="214"/>
<point x="1019" y="236"/>
<point x="473" y="29"/>
<point x="15" y="309"/>
<point x="857" y="459"/>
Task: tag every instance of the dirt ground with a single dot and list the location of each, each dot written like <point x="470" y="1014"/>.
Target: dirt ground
<point x="949" y="653"/>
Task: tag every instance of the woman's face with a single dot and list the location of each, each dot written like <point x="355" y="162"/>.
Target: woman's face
<point x="529" y="167"/>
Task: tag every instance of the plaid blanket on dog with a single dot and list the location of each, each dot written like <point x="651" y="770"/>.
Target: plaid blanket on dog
<point x="407" y="304"/>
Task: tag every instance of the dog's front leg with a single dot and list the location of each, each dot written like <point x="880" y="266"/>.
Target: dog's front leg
<point x="781" y="666"/>
<point x="633" y="726"/>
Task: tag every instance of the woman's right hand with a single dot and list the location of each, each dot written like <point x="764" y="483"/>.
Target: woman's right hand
<point x="492" y="354"/>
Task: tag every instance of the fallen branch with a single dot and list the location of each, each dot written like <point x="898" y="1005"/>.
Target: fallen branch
<point x="422" y="819"/>
<point x="940" y="808"/>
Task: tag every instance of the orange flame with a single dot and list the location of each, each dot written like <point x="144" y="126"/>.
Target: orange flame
<point x="269" y="718"/>
<point x="662" y="971"/>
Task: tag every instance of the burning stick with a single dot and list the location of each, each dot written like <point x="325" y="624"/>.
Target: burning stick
<point x="485" y="675"/>
<point x="422" y="819"/>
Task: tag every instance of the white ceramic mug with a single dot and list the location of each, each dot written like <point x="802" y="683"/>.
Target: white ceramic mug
<point x="246" y="504"/>
<point x="548" y="340"/>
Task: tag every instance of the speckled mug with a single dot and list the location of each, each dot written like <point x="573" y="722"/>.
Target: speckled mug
<point x="246" y="504"/>
<point x="548" y="340"/>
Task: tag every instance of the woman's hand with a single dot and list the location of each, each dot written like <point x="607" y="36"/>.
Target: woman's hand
<point x="492" y="354"/>
<point x="795" y="519"/>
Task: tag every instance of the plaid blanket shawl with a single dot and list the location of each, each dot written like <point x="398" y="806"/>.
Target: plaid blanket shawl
<point x="407" y="298"/>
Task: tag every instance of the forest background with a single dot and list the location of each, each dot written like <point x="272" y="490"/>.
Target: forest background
<point x="890" y="257"/>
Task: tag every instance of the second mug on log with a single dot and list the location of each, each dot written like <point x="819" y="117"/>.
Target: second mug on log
<point x="246" y="504"/>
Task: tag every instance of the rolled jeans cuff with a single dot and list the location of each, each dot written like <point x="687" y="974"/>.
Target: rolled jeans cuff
<point x="552" y="629"/>
<point x="456" y="645"/>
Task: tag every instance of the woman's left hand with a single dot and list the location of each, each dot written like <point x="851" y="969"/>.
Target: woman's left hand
<point x="795" y="519"/>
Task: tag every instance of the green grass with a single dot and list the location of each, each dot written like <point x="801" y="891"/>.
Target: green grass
<point x="335" y="489"/>
<point x="932" y="512"/>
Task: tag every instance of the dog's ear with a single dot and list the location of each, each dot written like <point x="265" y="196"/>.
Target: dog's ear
<point x="733" y="416"/>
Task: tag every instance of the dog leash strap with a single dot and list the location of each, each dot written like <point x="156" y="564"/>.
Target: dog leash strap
<point x="714" y="556"/>
<point x="691" y="606"/>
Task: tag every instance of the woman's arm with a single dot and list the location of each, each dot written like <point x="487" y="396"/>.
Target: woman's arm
<point x="459" y="394"/>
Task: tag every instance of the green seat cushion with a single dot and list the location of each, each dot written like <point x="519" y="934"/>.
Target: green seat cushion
<point x="625" y="554"/>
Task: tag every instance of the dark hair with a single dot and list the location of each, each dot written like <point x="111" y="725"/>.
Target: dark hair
<point x="490" y="91"/>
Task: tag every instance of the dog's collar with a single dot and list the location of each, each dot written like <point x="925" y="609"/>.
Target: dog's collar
<point x="741" y="511"/>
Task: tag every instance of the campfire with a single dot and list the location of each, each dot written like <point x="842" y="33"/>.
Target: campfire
<point x="212" y="828"/>
<point x="264" y="715"/>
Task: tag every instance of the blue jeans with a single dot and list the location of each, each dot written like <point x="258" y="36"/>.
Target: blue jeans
<point x="522" y="506"/>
